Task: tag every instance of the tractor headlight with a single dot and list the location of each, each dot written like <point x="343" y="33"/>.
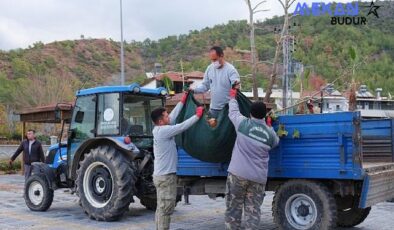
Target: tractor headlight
<point x="136" y="89"/>
<point x="163" y="92"/>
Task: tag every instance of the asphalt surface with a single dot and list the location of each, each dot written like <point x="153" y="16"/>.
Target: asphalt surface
<point x="202" y="213"/>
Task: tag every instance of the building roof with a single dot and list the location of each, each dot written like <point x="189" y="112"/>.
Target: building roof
<point x="62" y="106"/>
<point x="317" y="93"/>
<point x="364" y="94"/>
<point x="374" y="113"/>
<point x="276" y="93"/>
<point x="177" y="77"/>
<point x="195" y="75"/>
<point x="203" y="98"/>
<point x="47" y="113"/>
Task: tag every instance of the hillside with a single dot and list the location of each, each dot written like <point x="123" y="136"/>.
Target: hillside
<point x="48" y="73"/>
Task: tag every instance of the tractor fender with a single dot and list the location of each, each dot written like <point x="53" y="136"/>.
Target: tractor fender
<point x="130" y="151"/>
<point x="44" y="169"/>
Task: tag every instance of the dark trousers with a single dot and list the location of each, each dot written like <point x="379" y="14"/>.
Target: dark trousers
<point x="27" y="169"/>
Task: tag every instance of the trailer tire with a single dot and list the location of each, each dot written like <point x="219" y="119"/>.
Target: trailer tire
<point x="352" y="216"/>
<point x="37" y="193"/>
<point x="303" y="204"/>
<point x="105" y="183"/>
<point x="150" y="203"/>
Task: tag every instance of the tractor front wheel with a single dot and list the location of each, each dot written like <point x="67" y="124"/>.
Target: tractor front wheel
<point x="105" y="183"/>
<point x="38" y="195"/>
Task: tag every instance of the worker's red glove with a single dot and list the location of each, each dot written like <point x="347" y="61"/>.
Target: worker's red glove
<point x="268" y="120"/>
<point x="184" y="97"/>
<point x="233" y="93"/>
<point x="199" y="111"/>
<point x="236" y="85"/>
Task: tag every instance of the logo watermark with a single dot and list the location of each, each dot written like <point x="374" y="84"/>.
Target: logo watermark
<point x="341" y="13"/>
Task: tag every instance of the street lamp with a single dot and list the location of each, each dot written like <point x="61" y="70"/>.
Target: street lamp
<point x="121" y="47"/>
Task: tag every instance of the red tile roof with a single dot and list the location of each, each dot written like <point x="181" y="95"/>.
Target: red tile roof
<point x="177" y="77"/>
<point x="195" y="74"/>
<point x="203" y="98"/>
<point x="67" y="106"/>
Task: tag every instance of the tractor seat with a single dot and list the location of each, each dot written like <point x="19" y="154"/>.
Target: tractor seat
<point x="136" y="130"/>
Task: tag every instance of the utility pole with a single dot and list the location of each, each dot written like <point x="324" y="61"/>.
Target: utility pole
<point x="183" y="75"/>
<point x="285" y="73"/>
<point x="287" y="61"/>
<point x="288" y="71"/>
<point x="121" y="46"/>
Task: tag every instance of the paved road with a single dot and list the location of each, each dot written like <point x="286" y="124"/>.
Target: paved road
<point x="203" y="213"/>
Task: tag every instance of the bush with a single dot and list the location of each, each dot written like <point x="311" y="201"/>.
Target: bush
<point x="5" y="167"/>
<point x="44" y="139"/>
<point x="20" y="67"/>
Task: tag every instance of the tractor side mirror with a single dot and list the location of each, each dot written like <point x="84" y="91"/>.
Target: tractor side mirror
<point x="79" y="117"/>
<point x="57" y="114"/>
<point x="71" y="134"/>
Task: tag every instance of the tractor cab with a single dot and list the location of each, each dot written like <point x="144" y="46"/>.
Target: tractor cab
<point x="109" y="144"/>
<point x="120" y="114"/>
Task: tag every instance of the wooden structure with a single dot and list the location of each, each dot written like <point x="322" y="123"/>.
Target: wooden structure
<point x="56" y="113"/>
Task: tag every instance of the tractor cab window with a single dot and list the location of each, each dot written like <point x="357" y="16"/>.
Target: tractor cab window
<point x="83" y="119"/>
<point x="136" y="119"/>
<point x="108" y="114"/>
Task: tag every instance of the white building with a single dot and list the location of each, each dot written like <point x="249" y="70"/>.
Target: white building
<point x="276" y="95"/>
<point x="335" y="102"/>
<point x="372" y="106"/>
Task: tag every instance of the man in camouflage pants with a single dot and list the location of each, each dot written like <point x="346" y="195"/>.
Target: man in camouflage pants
<point x="248" y="166"/>
<point x="166" y="159"/>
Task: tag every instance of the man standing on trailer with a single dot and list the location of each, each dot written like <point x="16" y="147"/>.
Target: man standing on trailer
<point x="166" y="159"/>
<point x="248" y="167"/>
<point x="219" y="77"/>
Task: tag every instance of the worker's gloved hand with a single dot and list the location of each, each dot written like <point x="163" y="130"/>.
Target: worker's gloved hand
<point x="233" y="93"/>
<point x="236" y="85"/>
<point x="184" y="97"/>
<point x="187" y="88"/>
<point x="199" y="111"/>
<point x="268" y="121"/>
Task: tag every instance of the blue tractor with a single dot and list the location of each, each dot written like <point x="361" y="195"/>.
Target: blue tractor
<point x="108" y="157"/>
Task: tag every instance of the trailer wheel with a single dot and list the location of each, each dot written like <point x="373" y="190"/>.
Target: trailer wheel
<point x="150" y="202"/>
<point x="352" y="216"/>
<point x="38" y="195"/>
<point x="105" y="183"/>
<point x="302" y="204"/>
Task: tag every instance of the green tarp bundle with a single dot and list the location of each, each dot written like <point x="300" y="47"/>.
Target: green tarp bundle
<point x="204" y="142"/>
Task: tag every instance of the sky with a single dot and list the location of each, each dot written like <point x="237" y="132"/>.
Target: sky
<point x="24" y="22"/>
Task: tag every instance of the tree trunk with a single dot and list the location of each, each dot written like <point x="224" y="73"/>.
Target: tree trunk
<point x="253" y="51"/>
<point x="352" y="97"/>
<point x="276" y="58"/>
